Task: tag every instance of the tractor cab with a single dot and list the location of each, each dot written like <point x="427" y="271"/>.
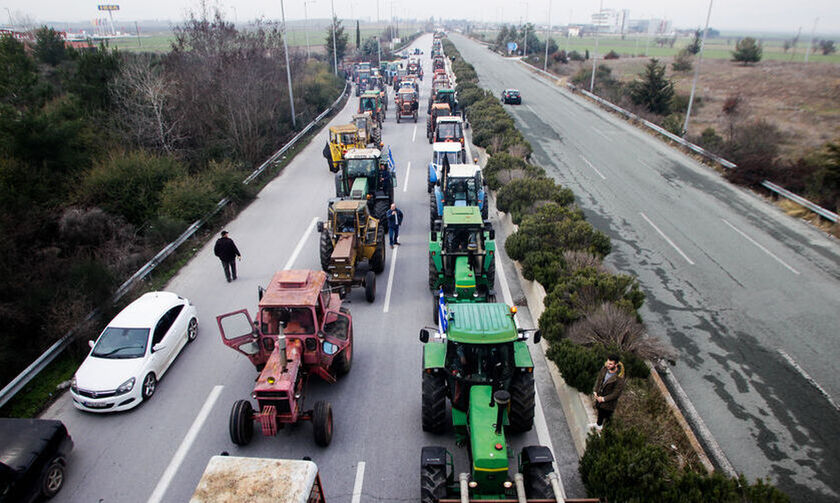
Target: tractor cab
<point x="342" y="138"/>
<point x="371" y="101"/>
<point x="370" y="133"/>
<point x="460" y="185"/>
<point x="448" y="96"/>
<point x="364" y="177"/>
<point x="437" y="110"/>
<point x="449" y="129"/>
<point x="452" y="152"/>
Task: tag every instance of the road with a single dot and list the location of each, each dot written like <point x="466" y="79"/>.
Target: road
<point x="747" y="295"/>
<point x="157" y="451"/>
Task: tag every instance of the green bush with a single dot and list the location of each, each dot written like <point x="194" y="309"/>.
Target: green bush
<point x="226" y="181"/>
<point x="673" y="123"/>
<point x="545" y="267"/>
<point x="577" y="364"/>
<point x="130" y="185"/>
<point x="519" y="196"/>
<point x="187" y="199"/>
<point x="503" y="161"/>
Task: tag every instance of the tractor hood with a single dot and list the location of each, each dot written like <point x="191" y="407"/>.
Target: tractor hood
<point x="360" y="188"/>
<point x="464" y="277"/>
<point x="481" y="323"/>
<point x="489" y="449"/>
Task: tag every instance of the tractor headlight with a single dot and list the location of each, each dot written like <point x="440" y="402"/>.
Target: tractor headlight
<point x="125" y="387"/>
<point x="508" y="484"/>
<point x="473" y="484"/>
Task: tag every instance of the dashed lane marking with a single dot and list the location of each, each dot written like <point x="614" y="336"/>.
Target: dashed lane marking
<point x="666" y="238"/>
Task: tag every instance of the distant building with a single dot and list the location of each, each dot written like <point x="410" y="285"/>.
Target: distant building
<point x="653" y="26"/>
<point x="610" y="20"/>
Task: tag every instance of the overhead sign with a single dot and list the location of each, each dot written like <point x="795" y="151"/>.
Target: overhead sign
<point x="108" y="7"/>
<point x="512" y="46"/>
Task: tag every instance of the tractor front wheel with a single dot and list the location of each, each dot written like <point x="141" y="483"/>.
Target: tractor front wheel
<point x="434" y="402"/>
<point x="344" y="360"/>
<point x="322" y="423"/>
<point x="326" y="249"/>
<point x="522" y="402"/>
<point x="370" y="286"/>
<point x="432" y="483"/>
<point x="241" y="422"/>
<point x="537" y="483"/>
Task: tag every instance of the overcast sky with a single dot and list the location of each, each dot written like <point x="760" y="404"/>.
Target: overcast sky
<point x="754" y="15"/>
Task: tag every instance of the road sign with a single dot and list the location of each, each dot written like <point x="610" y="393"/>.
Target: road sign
<point x="512" y="46"/>
<point x="108" y="7"/>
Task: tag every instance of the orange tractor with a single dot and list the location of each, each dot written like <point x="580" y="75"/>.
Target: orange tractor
<point x="407" y="104"/>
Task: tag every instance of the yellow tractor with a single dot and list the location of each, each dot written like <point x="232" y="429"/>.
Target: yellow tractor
<point x="370" y="131"/>
<point x="342" y="139"/>
<point x="349" y="237"/>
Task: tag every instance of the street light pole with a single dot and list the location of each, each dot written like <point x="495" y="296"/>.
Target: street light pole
<point x="811" y="42"/>
<point x="595" y="54"/>
<point x="526" y="31"/>
<point x="547" y="37"/>
<point x="697" y="71"/>
<point x="306" y="26"/>
<point x="288" y="70"/>
<point x="335" y="54"/>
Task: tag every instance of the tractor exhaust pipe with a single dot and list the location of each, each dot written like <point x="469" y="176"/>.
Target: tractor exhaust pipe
<point x="281" y="347"/>
<point x="556" y="487"/>
<point x="502" y="399"/>
<point x="464" y="483"/>
<point x="519" y="482"/>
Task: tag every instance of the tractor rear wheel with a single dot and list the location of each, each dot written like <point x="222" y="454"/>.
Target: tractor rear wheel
<point x="491" y="275"/>
<point x="370" y="286"/>
<point x="377" y="261"/>
<point x="485" y="209"/>
<point x="433" y="274"/>
<point x="241" y="422"/>
<point x="434" y="402"/>
<point x="432" y="483"/>
<point x="326" y="249"/>
<point x="537" y="484"/>
<point x="380" y="212"/>
<point x="344" y="360"/>
<point x="521" y="402"/>
<point x="322" y="423"/>
<point x="432" y="211"/>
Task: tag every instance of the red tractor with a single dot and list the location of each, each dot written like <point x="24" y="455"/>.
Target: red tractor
<point x="300" y="329"/>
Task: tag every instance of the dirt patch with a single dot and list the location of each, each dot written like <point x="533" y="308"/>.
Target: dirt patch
<point x="802" y="99"/>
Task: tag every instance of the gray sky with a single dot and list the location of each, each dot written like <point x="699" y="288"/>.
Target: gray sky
<point x="754" y="15"/>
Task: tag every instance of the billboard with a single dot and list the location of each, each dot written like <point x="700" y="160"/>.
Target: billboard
<point x="108" y="7"/>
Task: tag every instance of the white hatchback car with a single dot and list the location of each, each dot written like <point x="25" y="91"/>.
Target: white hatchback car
<point x="133" y="352"/>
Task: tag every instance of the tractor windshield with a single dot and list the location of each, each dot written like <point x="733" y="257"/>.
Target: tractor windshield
<point x="297" y="320"/>
<point x="361" y="167"/>
<point x="348" y="138"/>
<point x="461" y="240"/>
<point x="360" y="123"/>
<point x="480" y="362"/>
<point x="454" y="157"/>
<point x="462" y="189"/>
<point x="368" y="104"/>
<point x="345" y="221"/>
<point x="449" y="131"/>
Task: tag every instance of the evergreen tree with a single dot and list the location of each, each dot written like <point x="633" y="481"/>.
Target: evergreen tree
<point x="340" y="41"/>
<point x="358" y="36"/>
<point x="694" y="46"/>
<point x="747" y="51"/>
<point x="652" y="89"/>
<point x="49" y="46"/>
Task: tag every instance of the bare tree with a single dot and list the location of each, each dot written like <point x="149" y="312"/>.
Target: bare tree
<point x="611" y="325"/>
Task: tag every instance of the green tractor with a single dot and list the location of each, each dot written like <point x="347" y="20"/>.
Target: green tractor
<point x="361" y="177"/>
<point x="480" y="362"/>
<point x="462" y="253"/>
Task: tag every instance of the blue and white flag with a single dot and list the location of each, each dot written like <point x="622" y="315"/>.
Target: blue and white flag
<point x="443" y="324"/>
<point x="392" y="166"/>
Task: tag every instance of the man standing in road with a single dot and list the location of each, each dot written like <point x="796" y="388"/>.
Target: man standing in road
<point x="394" y="217"/>
<point x="608" y="387"/>
<point x="227" y="252"/>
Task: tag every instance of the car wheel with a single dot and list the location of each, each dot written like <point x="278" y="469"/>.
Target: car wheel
<point x="192" y="330"/>
<point x="53" y="479"/>
<point x="149" y="385"/>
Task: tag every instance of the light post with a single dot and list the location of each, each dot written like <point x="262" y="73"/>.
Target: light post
<point x="595" y="54"/>
<point x="525" y="50"/>
<point x="547" y="37"/>
<point x="306" y="25"/>
<point x="335" y="54"/>
<point x="696" y="71"/>
<point x="288" y="70"/>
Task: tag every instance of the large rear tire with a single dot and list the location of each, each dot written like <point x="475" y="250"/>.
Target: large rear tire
<point x="433" y="207"/>
<point x="326" y="249"/>
<point x="485" y="208"/>
<point x="491" y="275"/>
<point x="522" y="402"/>
<point x="433" y="273"/>
<point x="377" y="262"/>
<point x="370" y="286"/>
<point x="432" y="483"/>
<point x="380" y="211"/>
<point x="537" y="483"/>
<point x="434" y="402"/>
<point x="241" y="422"/>
<point x="322" y="423"/>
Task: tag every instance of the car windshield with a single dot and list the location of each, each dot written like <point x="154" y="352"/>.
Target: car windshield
<point x="361" y="167"/>
<point x="449" y="130"/>
<point x="121" y="343"/>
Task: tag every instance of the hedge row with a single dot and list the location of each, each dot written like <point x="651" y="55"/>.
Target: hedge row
<point x="589" y="313"/>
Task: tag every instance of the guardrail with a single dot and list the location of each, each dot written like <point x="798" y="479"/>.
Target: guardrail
<point x="29" y="373"/>
<point x="819" y="210"/>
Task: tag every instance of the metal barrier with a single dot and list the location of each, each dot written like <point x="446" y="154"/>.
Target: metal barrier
<point x="819" y="210"/>
<point x="16" y="384"/>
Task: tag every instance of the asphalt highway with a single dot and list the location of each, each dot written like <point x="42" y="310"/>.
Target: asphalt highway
<point x="158" y="451"/>
<point x="747" y="295"/>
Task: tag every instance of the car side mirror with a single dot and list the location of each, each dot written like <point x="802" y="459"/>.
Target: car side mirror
<point x="424" y="335"/>
<point x="91" y="344"/>
<point x="157" y="347"/>
<point x="320" y="226"/>
<point x="537" y="337"/>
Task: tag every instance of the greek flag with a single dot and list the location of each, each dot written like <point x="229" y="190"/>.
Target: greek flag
<point x="442" y="313"/>
<point x="392" y="166"/>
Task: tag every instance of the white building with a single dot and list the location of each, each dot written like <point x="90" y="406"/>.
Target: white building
<point x="611" y="20"/>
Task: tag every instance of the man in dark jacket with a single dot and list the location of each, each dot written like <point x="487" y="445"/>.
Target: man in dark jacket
<point x="394" y="216"/>
<point x="608" y="387"/>
<point x="227" y="252"/>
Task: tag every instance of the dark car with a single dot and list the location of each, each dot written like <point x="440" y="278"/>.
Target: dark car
<point x="33" y="457"/>
<point x="511" y="96"/>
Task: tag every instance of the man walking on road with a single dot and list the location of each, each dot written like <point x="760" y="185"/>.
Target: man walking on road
<point x="227" y="252"/>
<point x="394" y="217"/>
<point x="608" y="387"/>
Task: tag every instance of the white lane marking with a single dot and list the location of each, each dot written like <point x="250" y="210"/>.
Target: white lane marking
<point x="407" y="171"/>
<point x="390" y="280"/>
<point x="528" y="106"/>
<point x="414" y="134"/>
<point x="539" y="416"/>
<point x="584" y="159"/>
<point x="599" y="133"/>
<point x="808" y="378"/>
<point x="300" y="244"/>
<point x="181" y="453"/>
<point x="666" y="238"/>
<point x="765" y="250"/>
<point x="357" y="486"/>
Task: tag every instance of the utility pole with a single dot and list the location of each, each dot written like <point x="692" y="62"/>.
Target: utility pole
<point x="811" y="42"/>
<point x="335" y="54"/>
<point x="595" y="54"/>
<point x="525" y="53"/>
<point x="547" y="37"/>
<point x="306" y="26"/>
<point x="288" y="70"/>
<point x="11" y="22"/>
<point x="697" y="71"/>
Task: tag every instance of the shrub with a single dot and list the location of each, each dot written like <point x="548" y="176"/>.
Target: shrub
<point x="521" y="195"/>
<point x="747" y="51"/>
<point x="673" y="123"/>
<point x="682" y="61"/>
<point x="187" y="199"/>
<point x="503" y="161"/>
<point x="579" y="365"/>
<point x="226" y="181"/>
<point x="545" y="267"/>
<point x="611" y="325"/>
<point x="710" y="140"/>
<point x="575" y="56"/>
<point x="93" y="279"/>
<point x="611" y="55"/>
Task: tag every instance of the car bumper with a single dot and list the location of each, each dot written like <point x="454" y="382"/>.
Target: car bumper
<point x="108" y="404"/>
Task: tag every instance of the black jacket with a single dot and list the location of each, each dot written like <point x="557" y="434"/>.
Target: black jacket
<point x="225" y="249"/>
<point x="395" y="217"/>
